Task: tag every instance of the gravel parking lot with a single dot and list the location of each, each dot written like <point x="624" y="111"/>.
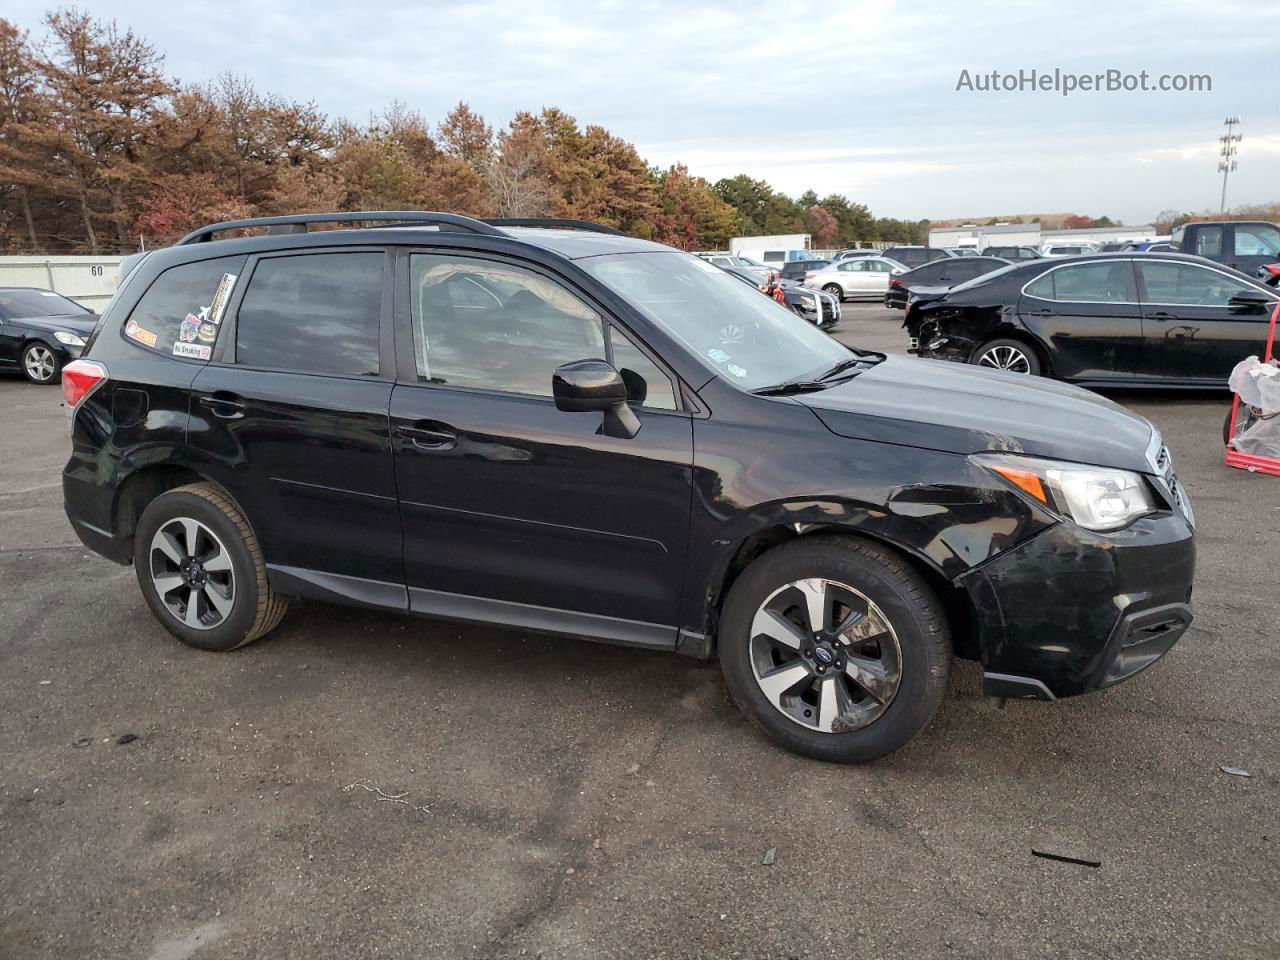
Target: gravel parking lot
<point x="360" y="785"/>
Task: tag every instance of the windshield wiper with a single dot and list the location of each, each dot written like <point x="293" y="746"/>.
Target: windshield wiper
<point x="790" y="386"/>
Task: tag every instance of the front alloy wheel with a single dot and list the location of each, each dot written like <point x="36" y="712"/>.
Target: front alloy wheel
<point x="836" y="646"/>
<point x="825" y="656"/>
<point x="39" y="363"/>
<point x="1011" y="356"/>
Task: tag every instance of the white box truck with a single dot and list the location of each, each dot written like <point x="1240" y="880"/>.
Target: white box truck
<point x="774" y="251"/>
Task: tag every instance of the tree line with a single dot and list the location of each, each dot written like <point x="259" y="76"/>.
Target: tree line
<point x="101" y="151"/>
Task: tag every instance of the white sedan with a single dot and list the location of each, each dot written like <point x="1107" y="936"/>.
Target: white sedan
<point x="857" y="278"/>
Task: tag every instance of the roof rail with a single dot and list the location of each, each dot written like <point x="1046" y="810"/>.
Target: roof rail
<point x="384" y="217"/>
<point x="553" y="222"/>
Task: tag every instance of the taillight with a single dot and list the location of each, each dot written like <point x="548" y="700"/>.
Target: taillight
<point x="810" y="275"/>
<point x="79" y="379"/>
<point x="1273" y="269"/>
<point x="895" y="281"/>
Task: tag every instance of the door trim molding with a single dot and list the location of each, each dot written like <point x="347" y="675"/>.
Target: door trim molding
<point x="337" y="588"/>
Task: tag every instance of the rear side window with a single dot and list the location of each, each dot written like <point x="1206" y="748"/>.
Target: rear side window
<point x="1085" y="283"/>
<point x="1209" y="242"/>
<point x="181" y="313"/>
<point x="315" y="313"/>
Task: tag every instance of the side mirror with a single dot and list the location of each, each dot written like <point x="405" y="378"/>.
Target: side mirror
<point x="1248" y="301"/>
<point x="587" y="386"/>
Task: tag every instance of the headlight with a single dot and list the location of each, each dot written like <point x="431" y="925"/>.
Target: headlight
<point x="1097" y="498"/>
<point x="808" y="302"/>
<point x="70" y="339"/>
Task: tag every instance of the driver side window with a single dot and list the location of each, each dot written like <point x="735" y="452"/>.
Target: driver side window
<point x="494" y="326"/>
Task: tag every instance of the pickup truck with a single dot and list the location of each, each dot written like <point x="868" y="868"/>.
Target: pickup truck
<point x="1249" y="246"/>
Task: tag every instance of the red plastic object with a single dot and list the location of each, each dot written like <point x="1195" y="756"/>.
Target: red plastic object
<point x="1247" y="461"/>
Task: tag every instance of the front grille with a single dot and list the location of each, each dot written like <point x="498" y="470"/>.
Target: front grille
<point x="1162" y="460"/>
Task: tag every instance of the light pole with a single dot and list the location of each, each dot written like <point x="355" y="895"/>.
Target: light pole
<point x="1227" y="152"/>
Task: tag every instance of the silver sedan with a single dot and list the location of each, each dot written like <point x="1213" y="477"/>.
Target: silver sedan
<point x="856" y="278"/>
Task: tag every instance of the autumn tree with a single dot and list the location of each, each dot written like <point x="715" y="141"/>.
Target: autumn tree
<point x="19" y="99"/>
<point x="106" y="91"/>
<point x="693" y="217"/>
<point x="463" y="134"/>
<point x="822" y="226"/>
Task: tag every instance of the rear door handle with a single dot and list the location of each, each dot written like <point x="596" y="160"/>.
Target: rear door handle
<point x="1164" y="315"/>
<point x="428" y="434"/>
<point x="225" y="405"/>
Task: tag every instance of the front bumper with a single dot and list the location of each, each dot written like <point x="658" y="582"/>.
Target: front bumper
<point x="1070" y="611"/>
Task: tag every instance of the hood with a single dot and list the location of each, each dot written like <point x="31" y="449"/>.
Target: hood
<point x="954" y="407"/>
<point x="78" y="323"/>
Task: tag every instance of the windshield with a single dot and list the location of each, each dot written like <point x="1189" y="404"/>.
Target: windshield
<point x="20" y="304"/>
<point x="741" y="334"/>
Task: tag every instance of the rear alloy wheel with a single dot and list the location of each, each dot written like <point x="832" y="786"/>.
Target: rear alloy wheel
<point x="1012" y="356"/>
<point x="836" y="647"/>
<point x="201" y="570"/>
<point x="835" y="290"/>
<point x="40" y="363"/>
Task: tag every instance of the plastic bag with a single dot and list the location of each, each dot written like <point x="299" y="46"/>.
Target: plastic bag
<point x="1258" y="385"/>
<point x="1262" y="439"/>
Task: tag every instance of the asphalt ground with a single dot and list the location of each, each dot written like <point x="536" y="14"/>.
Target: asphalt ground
<point x="360" y="785"/>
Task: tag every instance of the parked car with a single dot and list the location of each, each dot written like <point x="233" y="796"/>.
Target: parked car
<point x="797" y="270"/>
<point x="1013" y="254"/>
<point x="1150" y="246"/>
<point x="1067" y="249"/>
<point x="41" y="331"/>
<point x="1244" y="245"/>
<point x="914" y="256"/>
<point x="937" y="278"/>
<point x="759" y="270"/>
<point x="820" y="309"/>
<point x="627" y="446"/>
<point x="865" y="252"/>
<point x="1131" y="319"/>
<point x="1269" y="273"/>
<point x="859" y="278"/>
<point x="961" y="251"/>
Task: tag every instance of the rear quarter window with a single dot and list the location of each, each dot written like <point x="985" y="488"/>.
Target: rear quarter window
<point x="182" y="311"/>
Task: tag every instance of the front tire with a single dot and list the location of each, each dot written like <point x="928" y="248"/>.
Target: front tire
<point x="201" y="570"/>
<point x="836" y="647"/>
<point x="40" y="364"/>
<point x="835" y="290"/>
<point x="1012" y="356"/>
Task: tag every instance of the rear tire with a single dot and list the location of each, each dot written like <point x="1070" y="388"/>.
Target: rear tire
<point x="888" y="669"/>
<point x="201" y="570"/>
<point x="1012" y="356"/>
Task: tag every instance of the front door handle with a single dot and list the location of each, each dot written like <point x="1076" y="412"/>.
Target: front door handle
<point x="1163" y="315"/>
<point x="225" y="405"/>
<point x="428" y="434"/>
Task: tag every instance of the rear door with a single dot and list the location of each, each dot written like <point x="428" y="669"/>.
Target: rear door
<point x="1089" y="314"/>
<point x="1190" y="330"/>
<point x="291" y="416"/>
<point x="513" y="510"/>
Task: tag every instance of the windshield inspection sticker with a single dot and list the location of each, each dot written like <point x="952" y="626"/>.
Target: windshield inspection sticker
<point x="736" y="370"/>
<point x="194" y="351"/>
<point x="719" y="356"/>
<point x="135" y="332"/>
<point x="220" y="297"/>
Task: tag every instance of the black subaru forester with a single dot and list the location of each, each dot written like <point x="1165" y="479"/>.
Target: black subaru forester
<point x="555" y="427"/>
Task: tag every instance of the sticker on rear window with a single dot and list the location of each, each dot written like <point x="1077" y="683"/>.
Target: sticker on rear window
<point x="135" y="332"/>
<point x="190" y="327"/>
<point x="194" y="351"/>
<point x="220" y="297"/>
<point x="207" y="333"/>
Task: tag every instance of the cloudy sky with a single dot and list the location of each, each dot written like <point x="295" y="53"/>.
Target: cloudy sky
<point x="852" y="96"/>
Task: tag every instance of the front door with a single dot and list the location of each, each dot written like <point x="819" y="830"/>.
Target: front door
<point x="1090" y="314"/>
<point x="1190" y="329"/>
<point x="291" y="416"/>
<point x="514" y="511"/>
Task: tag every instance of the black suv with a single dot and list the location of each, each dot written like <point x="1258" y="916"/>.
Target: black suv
<point x="561" y="429"/>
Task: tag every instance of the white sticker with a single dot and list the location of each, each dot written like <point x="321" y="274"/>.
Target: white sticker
<point x="195" y="351"/>
<point x="736" y="370"/>
<point x="220" y="297"/>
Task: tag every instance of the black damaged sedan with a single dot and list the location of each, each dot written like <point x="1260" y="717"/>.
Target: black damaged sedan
<point x="1124" y="319"/>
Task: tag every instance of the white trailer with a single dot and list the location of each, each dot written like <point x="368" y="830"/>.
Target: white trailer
<point x="89" y="281"/>
<point x="773" y="250"/>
